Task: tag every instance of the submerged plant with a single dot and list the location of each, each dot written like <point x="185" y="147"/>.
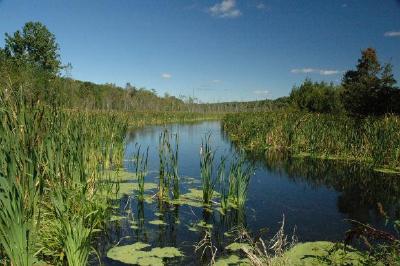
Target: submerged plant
<point x="206" y="170"/>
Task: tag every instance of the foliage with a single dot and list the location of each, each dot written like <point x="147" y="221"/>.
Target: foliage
<point x="35" y="45"/>
<point x="317" y="97"/>
<point x="370" y="89"/>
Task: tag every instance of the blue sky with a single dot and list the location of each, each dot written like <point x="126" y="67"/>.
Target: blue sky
<point x="217" y="50"/>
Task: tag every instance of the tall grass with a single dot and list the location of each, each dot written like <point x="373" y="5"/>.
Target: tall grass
<point x="206" y="170"/>
<point x="163" y="160"/>
<point x="239" y="179"/>
<point x="43" y="148"/>
<point x="375" y="140"/>
<point x="168" y="153"/>
<point x="141" y="161"/>
<point x="174" y="151"/>
<point x="17" y="229"/>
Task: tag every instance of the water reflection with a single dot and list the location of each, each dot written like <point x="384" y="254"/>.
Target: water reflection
<point x="316" y="196"/>
<point x="360" y="188"/>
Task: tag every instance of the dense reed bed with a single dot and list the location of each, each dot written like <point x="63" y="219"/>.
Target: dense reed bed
<point x="375" y="140"/>
<point x="55" y="190"/>
<point x="50" y="162"/>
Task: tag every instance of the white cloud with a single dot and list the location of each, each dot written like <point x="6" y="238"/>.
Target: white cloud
<point x="260" y="6"/>
<point x="324" y="72"/>
<point x="261" y="92"/>
<point x="216" y="81"/>
<point x="392" y="34"/>
<point x="166" y="75"/>
<point x="225" y="9"/>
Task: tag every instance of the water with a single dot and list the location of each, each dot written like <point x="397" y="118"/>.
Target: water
<point x="316" y="197"/>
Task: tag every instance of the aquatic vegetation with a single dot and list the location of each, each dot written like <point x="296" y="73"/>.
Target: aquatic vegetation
<point x="140" y="162"/>
<point x="162" y="150"/>
<point x="157" y="222"/>
<point x="239" y="178"/>
<point x="134" y="254"/>
<point x="375" y="140"/>
<point x="168" y="151"/>
<point x="17" y="230"/>
<point x="173" y="151"/>
<point x="324" y="253"/>
<point x="206" y="246"/>
<point x="206" y="170"/>
<point x="223" y="186"/>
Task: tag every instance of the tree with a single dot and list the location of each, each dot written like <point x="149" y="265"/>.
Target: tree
<point x="35" y="45"/>
<point x="369" y="89"/>
<point x="317" y="97"/>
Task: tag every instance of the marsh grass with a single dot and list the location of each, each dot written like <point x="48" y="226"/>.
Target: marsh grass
<point x="168" y="153"/>
<point x="17" y="229"/>
<point x="239" y="179"/>
<point x="141" y="165"/>
<point x="374" y="140"/>
<point x="173" y="170"/>
<point x="265" y="253"/>
<point x="208" y="181"/>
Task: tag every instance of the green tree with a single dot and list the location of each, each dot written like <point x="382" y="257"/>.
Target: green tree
<point x="370" y="89"/>
<point x="36" y="45"/>
<point x="317" y="97"/>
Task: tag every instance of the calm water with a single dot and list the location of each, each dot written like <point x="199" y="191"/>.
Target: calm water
<point x="316" y="197"/>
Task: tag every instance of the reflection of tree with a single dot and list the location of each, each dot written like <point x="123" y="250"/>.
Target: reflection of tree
<point x="361" y="188"/>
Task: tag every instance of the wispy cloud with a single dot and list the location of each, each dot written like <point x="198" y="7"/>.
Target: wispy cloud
<point x="225" y="9"/>
<point x="261" y="6"/>
<point x="392" y="34"/>
<point x="324" y="72"/>
<point x="166" y="75"/>
<point x="216" y="81"/>
<point x="261" y="92"/>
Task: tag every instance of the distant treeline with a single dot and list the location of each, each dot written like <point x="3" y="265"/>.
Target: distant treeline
<point x="30" y="60"/>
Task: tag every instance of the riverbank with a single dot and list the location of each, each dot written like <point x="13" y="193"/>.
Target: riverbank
<point x="373" y="140"/>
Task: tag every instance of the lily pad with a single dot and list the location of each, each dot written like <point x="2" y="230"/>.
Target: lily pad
<point x="323" y="253"/>
<point x="134" y="254"/>
<point x="157" y="222"/>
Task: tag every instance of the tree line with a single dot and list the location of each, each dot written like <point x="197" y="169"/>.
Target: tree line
<point x="370" y="89"/>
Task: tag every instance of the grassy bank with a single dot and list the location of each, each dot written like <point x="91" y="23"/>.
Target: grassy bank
<point x="375" y="140"/>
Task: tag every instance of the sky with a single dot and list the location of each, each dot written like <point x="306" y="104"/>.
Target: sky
<point x="224" y="50"/>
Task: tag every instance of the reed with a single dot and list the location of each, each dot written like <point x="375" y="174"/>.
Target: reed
<point x="206" y="170"/>
<point x="173" y="151"/>
<point x="162" y="144"/>
<point x="141" y="161"/>
<point x="374" y="140"/>
<point x="17" y="230"/>
<point x="239" y="179"/>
